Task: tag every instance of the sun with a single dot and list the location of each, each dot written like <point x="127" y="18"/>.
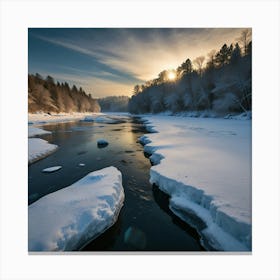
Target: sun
<point x="171" y="75"/>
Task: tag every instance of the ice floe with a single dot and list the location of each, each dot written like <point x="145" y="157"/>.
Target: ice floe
<point x="51" y="169"/>
<point x="71" y="217"/>
<point x="38" y="149"/>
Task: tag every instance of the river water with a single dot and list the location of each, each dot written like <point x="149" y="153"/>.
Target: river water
<point x="145" y="222"/>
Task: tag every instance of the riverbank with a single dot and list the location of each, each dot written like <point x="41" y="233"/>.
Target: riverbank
<point x="43" y="118"/>
<point x="204" y="164"/>
<point x="145" y="212"/>
<point x="38" y="148"/>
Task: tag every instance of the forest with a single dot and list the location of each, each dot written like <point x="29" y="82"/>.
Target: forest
<point x="47" y="96"/>
<point x="222" y="83"/>
<point x="114" y="103"/>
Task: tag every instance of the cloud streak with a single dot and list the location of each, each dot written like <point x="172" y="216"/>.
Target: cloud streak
<point x="129" y="56"/>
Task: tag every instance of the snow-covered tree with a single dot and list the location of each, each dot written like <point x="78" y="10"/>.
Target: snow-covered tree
<point x="114" y="103"/>
<point x="44" y="95"/>
<point x="224" y="85"/>
<point x="199" y="63"/>
<point x="245" y="38"/>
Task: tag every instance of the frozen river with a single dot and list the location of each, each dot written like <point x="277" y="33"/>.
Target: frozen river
<point x="145" y="222"/>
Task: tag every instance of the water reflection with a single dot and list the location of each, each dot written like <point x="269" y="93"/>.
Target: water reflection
<point x="135" y="238"/>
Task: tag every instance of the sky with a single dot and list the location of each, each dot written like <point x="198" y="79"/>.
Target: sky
<point x="111" y="61"/>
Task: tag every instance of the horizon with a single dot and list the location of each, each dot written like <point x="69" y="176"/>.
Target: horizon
<point x="109" y="61"/>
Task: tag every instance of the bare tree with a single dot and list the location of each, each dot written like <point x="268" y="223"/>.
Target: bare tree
<point x="199" y="63"/>
<point x="244" y="39"/>
<point x="136" y="89"/>
<point x="211" y="59"/>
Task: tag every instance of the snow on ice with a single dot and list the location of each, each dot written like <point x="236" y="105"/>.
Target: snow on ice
<point x="51" y="169"/>
<point x="205" y="166"/>
<point x="69" y="218"/>
<point x="35" y="131"/>
<point x="38" y="149"/>
<point x="43" y="118"/>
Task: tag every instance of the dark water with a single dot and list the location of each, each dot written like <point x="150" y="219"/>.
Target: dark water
<point x="145" y="221"/>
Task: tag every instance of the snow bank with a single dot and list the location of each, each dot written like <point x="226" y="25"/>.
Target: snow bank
<point x="41" y="118"/>
<point x="69" y="218"/>
<point x="35" y="131"/>
<point x="38" y="149"/>
<point x="144" y="140"/>
<point x="208" y="114"/>
<point x="242" y="116"/>
<point x="205" y="166"/>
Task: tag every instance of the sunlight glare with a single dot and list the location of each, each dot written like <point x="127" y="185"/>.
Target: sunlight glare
<point x="171" y="75"/>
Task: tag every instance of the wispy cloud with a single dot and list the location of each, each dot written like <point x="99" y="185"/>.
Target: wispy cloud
<point x="93" y="74"/>
<point x="102" y="53"/>
<point x="124" y="57"/>
<point x="67" y="45"/>
<point x="145" y="59"/>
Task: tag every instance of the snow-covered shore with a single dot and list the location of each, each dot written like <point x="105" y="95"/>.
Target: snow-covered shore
<point x="42" y="118"/>
<point x="35" y="131"/>
<point x="205" y="166"/>
<point x="69" y="218"/>
<point x="39" y="148"/>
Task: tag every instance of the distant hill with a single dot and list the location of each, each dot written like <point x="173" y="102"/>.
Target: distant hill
<point x="114" y="103"/>
<point x="47" y="96"/>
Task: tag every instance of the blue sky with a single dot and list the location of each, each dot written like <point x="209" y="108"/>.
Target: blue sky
<point x="110" y="61"/>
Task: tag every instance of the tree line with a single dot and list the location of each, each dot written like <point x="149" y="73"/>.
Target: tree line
<point x="114" y="103"/>
<point x="47" y="96"/>
<point x="221" y="83"/>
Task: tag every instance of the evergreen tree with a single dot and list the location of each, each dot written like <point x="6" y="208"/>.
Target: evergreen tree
<point x="223" y="56"/>
<point x="185" y="68"/>
<point x="236" y="54"/>
<point x="224" y="85"/>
